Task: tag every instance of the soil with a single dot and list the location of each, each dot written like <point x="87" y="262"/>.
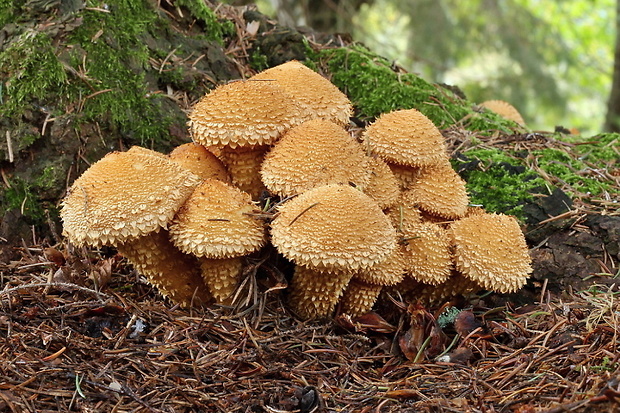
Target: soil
<point x="81" y="331"/>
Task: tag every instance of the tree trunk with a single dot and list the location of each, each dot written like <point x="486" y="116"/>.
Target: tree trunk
<point x="612" y="120"/>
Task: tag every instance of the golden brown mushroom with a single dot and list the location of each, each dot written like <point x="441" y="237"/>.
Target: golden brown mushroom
<point x="426" y="248"/>
<point x="200" y="161"/>
<point x="406" y="137"/>
<point x="124" y="200"/>
<point x="315" y="153"/>
<point x="505" y="110"/>
<point x="359" y="297"/>
<point x="383" y="186"/>
<point x="333" y="227"/>
<point x="244" y="164"/>
<point x="317" y="96"/>
<point x="244" y="113"/>
<point x="490" y="249"/>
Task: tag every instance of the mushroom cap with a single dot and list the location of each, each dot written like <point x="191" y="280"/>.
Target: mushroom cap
<point x="124" y="195"/>
<point x="243" y="113"/>
<point x="145" y="151"/>
<point x="244" y="165"/>
<point x="216" y="222"/>
<point x="383" y="186"/>
<point x="315" y="293"/>
<point x="200" y="161"/>
<point x="333" y="227"/>
<point x="315" y="153"/>
<point x="440" y="191"/>
<point x="359" y="297"/>
<point x="505" y="110"/>
<point x="317" y="96"/>
<point x="406" y="137"/>
<point x="427" y="254"/>
<point x="404" y="214"/>
<point x="175" y="274"/>
<point x="491" y="250"/>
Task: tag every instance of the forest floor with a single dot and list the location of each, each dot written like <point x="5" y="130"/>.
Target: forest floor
<point x="81" y="331"/>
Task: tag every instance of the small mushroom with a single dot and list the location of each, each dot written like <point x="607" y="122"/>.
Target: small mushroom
<point x="359" y="297"/>
<point x="406" y="137"/>
<point x="243" y="113"/>
<point x="427" y="255"/>
<point x="222" y="276"/>
<point x="216" y="222"/>
<point x="315" y="153"/>
<point x="505" y="110"/>
<point x="333" y="227"/>
<point x="490" y="249"/>
<point x="244" y="165"/>
<point x="197" y="159"/>
<point x="317" y="96"/>
<point x="440" y="191"/>
<point x="383" y="186"/>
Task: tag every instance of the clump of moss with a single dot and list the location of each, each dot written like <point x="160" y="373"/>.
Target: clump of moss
<point x="214" y="29"/>
<point x="498" y="181"/>
<point x="375" y="87"/>
<point x="571" y="171"/>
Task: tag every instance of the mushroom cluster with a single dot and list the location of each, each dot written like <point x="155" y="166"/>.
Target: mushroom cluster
<point x="354" y="214"/>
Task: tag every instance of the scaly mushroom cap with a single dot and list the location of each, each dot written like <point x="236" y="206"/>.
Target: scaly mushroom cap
<point x="505" y="110"/>
<point x="440" y="191"/>
<point x="222" y="276"/>
<point x="216" y="222"/>
<point x="244" y="113"/>
<point x="426" y="249"/>
<point x="383" y="186"/>
<point x="333" y="227"/>
<point x="145" y="151"/>
<point x="315" y="293"/>
<point x="123" y="196"/>
<point x="317" y="96"/>
<point x="176" y="275"/>
<point x="315" y="153"/>
<point x="200" y="161"/>
<point x="406" y="137"/>
<point x="359" y="297"/>
<point x="390" y="271"/>
<point x="244" y="166"/>
<point x="491" y="250"/>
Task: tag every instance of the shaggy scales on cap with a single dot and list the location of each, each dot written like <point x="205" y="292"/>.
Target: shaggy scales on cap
<point x="490" y="249"/>
<point x="406" y="137"/>
<point x="317" y="96"/>
<point x="243" y="113"/>
<point x="333" y="227"/>
<point x="197" y="159"/>
<point x="315" y="153"/>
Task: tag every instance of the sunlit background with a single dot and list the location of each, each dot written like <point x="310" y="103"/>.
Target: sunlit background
<point x="552" y="59"/>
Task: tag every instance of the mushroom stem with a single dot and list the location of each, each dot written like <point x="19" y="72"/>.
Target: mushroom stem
<point x="359" y="297"/>
<point x="175" y="274"/>
<point x="222" y="276"/>
<point x="314" y="293"/>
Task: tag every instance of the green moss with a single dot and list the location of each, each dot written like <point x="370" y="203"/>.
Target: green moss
<point x="497" y="181"/>
<point x="258" y="60"/>
<point x="214" y="29"/>
<point x="568" y="170"/>
<point x="9" y="10"/>
<point x="30" y="73"/>
<point x="21" y="197"/>
<point x="375" y="87"/>
<point x="597" y="149"/>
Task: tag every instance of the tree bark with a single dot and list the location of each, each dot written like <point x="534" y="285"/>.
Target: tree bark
<point x="612" y="120"/>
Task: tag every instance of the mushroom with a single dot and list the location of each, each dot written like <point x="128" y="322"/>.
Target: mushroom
<point x="243" y="113"/>
<point x="412" y="290"/>
<point x="315" y="153"/>
<point x="440" y="191"/>
<point x="124" y="200"/>
<point x="222" y="276"/>
<point x="197" y="159"/>
<point x="359" y="297"/>
<point x="317" y="96"/>
<point x="383" y="186"/>
<point x="405" y="175"/>
<point x="217" y="221"/>
<point x="505" y="110"/>
<point x="333" y="228"/>
<point x="406" y="137"/>
<point x="427" y="255"/>
<point x="490" y="249"/>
